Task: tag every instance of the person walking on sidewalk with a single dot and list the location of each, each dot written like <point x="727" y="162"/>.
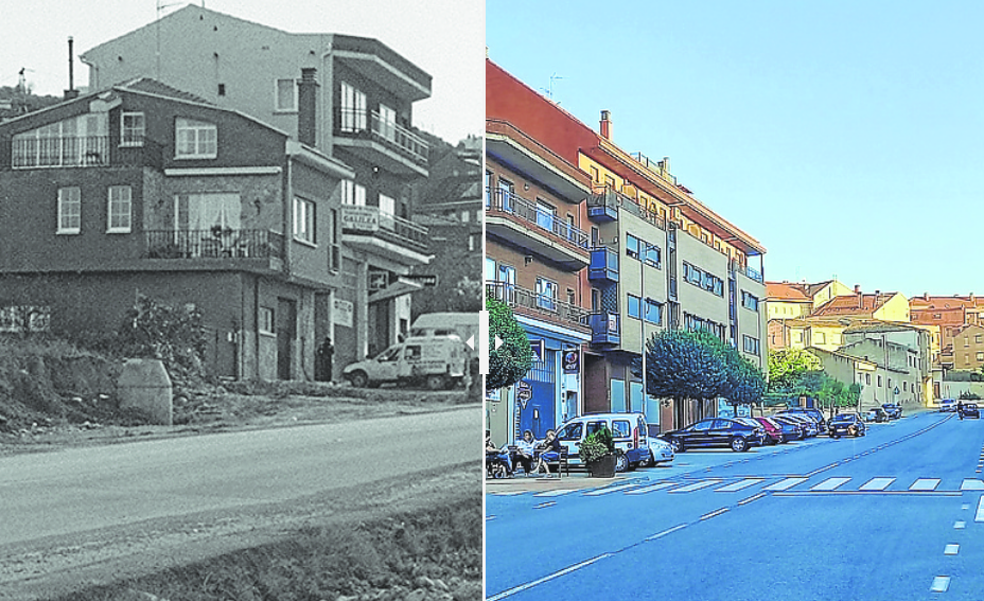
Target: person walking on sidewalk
<point x="960" y="409"/>
<point x="325" y="353"/>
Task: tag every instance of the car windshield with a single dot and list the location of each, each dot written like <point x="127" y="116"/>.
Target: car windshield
<point x="844" y="417"/>
<point x="970" y="406"/>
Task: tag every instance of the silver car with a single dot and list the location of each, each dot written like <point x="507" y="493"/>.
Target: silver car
<point x="660" y="451"/>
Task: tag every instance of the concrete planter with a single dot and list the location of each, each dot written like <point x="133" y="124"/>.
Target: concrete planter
<point x="603" y="467"/>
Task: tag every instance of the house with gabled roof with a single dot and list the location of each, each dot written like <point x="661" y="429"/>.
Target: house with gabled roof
<point x="144" y="189"/>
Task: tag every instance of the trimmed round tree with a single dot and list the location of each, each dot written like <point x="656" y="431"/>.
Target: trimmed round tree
<point x="514" y="357"/>
<point x="683" y="366"/>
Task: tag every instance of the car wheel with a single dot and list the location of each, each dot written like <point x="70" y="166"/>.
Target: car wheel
<point x="435" y="382"/>
<point x="782" y="439"/>
<point x="359" y="379"/>
<point x="739" y="444"/>
<point x="621" y="463"/>
<point x="835" y="435"/>
<point x="651" y="462"/>
<point x="677" y="445"/>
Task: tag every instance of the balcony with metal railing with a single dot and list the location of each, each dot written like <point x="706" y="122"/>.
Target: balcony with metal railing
<point x="605" y="328"/>
<point x="747" y="271"/>
<point x="379" y="232"/>
<point x="375" y="138"/>
<point x="541" y="306"/>
<point x="523" y="223"/>
<point x="80" y="151"/>
<point x="213" y="243"/>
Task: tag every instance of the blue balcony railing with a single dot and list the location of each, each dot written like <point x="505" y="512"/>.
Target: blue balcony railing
<point x="605" y="328"/>
<point x="604" y="265"/>
<point x="510" y="202"/>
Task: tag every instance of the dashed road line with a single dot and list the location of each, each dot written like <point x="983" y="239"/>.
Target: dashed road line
<point x="940" y="584"/>
<point x="545" y="505"/>
<point x="748" y="500"/>
<point x="959" y="525"/>
<point x="951" y="549"/>
<point x="712" y="514"/>
<point x="518" y="589"/>
<point x="877" y="484"/>
<point x="665" y="532"/>
<point x="509" y="493"/>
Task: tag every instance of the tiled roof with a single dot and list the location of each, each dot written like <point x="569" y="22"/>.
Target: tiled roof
<point x="784" y="291"/>
<point x="152" y="86"/>
<point x="854" y="304"/>
<point x="945" y="302"/>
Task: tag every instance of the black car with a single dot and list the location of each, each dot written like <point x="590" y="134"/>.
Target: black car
<point x="792" y="428"/>
<point x="893" y="410"/>
<point x="969" y="410"/>
<point x="715" y="432"/>
<point x="846" y="424"/>
<point x="814" y="414"/>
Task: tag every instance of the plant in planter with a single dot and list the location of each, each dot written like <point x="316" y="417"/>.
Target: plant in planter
<point x="598" y="453"/>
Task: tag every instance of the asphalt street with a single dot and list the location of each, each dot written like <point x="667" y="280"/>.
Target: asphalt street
<point x="76" y="490"/>
<point x="897" y="514"/>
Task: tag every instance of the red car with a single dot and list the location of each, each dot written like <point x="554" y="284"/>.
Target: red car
<point x="773" y="431"/>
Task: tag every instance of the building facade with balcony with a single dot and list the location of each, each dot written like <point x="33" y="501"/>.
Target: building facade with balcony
<point x="142" y="189"/>
<point x="658" y="259"/>
<point x="536" y="257"/>
<point x="362" y="117"/>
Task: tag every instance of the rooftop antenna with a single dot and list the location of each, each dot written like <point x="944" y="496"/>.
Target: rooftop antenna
<point x="22" y="80"/>
<point x="160" y="8"/>
<point x="550" y="90"/>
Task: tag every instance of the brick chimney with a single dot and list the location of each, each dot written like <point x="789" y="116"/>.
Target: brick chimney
<point x="307" y="104"/>
<point x="605" y="126"/>
<point x="857" y="292"/>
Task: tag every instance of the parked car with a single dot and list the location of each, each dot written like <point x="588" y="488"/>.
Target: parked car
<point x="660" y="451"/>
<point x="629" y="431"/>
<point x="970" y="410"/>
<point x="716" y="432"/>
<point x="434" y="361"/>
<point x="876" y="414"/>
<point x="814" y="414"/>
<point x="846" y="424"/>
<point x="773" y="430"/>
<point x="947" y="405"/>
<point x="799" y="428"/>
<point x="894" y="410"/>
<point x="812" y="427"/>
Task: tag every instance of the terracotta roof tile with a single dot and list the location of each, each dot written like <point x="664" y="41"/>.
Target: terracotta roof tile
<point x="853" y="304"/>
<point x="784" y="291"/>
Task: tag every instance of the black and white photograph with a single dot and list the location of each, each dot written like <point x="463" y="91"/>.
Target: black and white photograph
<point x="241" y="249"/>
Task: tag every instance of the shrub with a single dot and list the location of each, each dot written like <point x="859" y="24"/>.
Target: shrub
<point x="157" y="331"/>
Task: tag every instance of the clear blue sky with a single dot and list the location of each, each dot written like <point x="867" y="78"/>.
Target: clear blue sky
<point x="847" y="136"/>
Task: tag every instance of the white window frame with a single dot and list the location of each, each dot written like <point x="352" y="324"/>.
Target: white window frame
<point x="353" y="107"/>
<point x="133" y="135"/>
<point x="267" y="315"/>
<point x="305" y="221"/>
<point x="334" y="242"/>
<point x="277" y="106"/>
<point x="65" y="203"/>
<point x="353" y="194"/>
<point x="124" y="198"/>
<point x="387" y="122"/>
<point x="204" y="148"/>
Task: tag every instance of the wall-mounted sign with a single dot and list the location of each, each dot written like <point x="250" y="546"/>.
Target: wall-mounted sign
<point x="524" y="392"/>
<point x="377" y="280"/>
<point x="427" y="280"/>
<point x="572" y="361"/>
<point x="341" y="312"/>
<point x="539" y="352"/>
<point x="362" y="219"/>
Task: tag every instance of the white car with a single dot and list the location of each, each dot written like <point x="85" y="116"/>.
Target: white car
<point x="660" y="451"/>
<point x="947" y="405"/>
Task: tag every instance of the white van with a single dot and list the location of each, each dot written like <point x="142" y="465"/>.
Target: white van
<point x="629" y="431"/>
<point x="464" y="325"/>
<point x="434" y="361"/>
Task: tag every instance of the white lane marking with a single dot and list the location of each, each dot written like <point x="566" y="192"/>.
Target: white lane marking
<point x="553" y="493"/>
<point x="831" y="483"/>
<point x="972" y="484"/>
<point x="511" y="493"/>
<point x="951" y="549"/>
<point x="752" y="498"/>
<point x="608" y="491"/>
<point x="740" y="485"/>
<point x="786" y="484"/>
<point x="940" y="584"/>
<point x="518" y="589"/>
<point x="654" y="487"/>
<point x="696" y="486"/>
<point x="708" y="516"/>
<point x="925" y="484"/>
<point x="965" y="507"/>
<point x="665" y="532"/>
<point x="959" y="525"/>
<point x="489" y="517"/>
<point x="877" y="484"/>
<point x="545" y="504"/>
<point x="979" y="517"/>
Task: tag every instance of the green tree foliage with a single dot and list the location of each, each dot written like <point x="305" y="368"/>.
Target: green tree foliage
<point x="787" y="365"/>
<point x="514" y="357"/>
<point x="829" y="393"/>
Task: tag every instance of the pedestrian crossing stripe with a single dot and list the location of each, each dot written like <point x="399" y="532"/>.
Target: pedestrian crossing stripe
<point x="696" y="486"/>
<point x="741" y="484"/>
<point x="831" y="484"/>
<point x="972" y="484"/>
<point x="652" y="488"/>
<point x="786" y="484"/>
<point x="979" y="516"/>
<point x="925" y="484"/>
<point x="877" y="484"/>
<point x="553" y="493"/>
<point x="608" y="491"/>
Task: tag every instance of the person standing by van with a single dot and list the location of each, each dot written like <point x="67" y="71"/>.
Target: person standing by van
<point x="324" y="360"/>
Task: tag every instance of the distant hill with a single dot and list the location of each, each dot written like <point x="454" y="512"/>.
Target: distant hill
<point x="14" y="102"/>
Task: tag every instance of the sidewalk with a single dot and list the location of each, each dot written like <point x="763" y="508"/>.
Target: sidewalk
<point x="577" y="480"/>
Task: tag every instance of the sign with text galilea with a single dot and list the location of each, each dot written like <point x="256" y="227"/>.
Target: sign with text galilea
<point x="360" y="218"/>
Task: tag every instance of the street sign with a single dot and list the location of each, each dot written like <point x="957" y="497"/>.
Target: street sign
<point x="572" y="361"/>
<point x="424" y="279"/>
<point x="538" y="350"/>
<point x="524" y="392"/>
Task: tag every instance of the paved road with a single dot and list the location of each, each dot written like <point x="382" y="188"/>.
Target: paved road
<point x="885" y="516"/>
<point x="78" y="490"/>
